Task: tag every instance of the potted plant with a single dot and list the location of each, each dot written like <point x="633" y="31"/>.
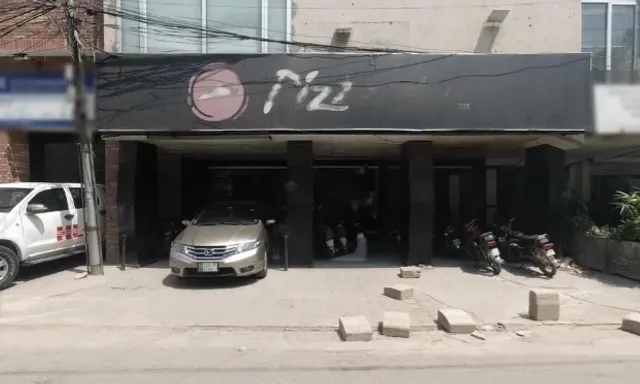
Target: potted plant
<point x="623" y="250"/>
<point x="588" y="241"/>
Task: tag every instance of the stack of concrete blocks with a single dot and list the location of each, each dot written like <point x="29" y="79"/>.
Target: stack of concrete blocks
<point x="410" y="272"/>
<point x="544" y="305"/>
<point x="454" y="320"/>
<point x="355" y="328"/>
<point x="631" y="323"/>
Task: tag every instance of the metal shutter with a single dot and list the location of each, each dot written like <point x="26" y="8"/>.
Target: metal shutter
<point x="62" y="162"/>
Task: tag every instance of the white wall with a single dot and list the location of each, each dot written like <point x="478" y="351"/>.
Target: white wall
<point x="436" y="25"/>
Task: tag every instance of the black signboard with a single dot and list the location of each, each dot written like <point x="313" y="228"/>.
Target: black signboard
<point x="322" y="92"/>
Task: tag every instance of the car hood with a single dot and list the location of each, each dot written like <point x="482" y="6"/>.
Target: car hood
<point x="210" y="235"/>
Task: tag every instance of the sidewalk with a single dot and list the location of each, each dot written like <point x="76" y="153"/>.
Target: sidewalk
<point x="305" y="298"/>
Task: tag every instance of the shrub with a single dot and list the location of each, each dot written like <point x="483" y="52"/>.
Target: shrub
<point x="628" y="205"/>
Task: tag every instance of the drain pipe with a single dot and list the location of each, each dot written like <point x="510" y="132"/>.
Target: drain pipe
<point x="123" y="252"/>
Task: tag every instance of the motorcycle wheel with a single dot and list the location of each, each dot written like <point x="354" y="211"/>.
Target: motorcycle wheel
<point x="495" y="265"/>
<point x="548" y="268"/>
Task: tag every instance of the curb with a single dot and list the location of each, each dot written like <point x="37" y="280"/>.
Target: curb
<point x="484" y="327"/>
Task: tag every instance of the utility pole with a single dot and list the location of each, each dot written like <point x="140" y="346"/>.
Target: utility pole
<point x="76" y="77"/>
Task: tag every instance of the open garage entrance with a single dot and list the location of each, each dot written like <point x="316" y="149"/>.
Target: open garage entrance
<point x="399" y="192"/>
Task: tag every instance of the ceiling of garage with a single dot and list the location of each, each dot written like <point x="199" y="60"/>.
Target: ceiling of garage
<point x="352" y="146"/>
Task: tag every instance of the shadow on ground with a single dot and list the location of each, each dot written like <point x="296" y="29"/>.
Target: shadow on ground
<point x="614" y="280"/>
<point x="523" y="270"/>
<point x="207" y="283"/>
<point x="76" y="264"/>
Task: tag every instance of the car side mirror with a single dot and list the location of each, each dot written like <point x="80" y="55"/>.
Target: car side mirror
<point x="36" y="208"/>
<point x="186" y="222"/>
<point x="270" y="222"/>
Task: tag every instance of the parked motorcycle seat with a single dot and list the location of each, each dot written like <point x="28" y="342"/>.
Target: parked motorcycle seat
<point x="527" y="239"/>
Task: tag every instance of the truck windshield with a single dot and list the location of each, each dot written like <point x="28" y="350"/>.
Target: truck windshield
<point x="10" y="197"/>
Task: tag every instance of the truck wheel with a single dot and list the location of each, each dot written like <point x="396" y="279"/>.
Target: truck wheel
<point x="9" y="266"/>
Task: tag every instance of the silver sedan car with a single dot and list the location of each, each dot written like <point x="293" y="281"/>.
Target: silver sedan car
<point x="225" y="240"/>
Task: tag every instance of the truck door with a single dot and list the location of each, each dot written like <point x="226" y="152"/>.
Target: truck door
<point x="49" y="233"/>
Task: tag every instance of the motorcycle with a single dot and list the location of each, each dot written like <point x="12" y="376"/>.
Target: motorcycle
<point x="452" y="242"/>
<point x="341" y="237"/>
<point x="328" y="242"/>
<point x="482" y="246"/>
<point x="536" y="248"/>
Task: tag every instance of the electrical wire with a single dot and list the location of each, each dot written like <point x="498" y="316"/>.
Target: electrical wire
<point x="177" y="27"/>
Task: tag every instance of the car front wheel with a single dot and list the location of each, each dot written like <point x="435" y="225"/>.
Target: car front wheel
<point x="262" y="274"/>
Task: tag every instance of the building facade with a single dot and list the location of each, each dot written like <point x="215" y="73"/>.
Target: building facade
<point x="374" y="124"/>
<point x="33" y="41"/>
<point x="459" y="108"/>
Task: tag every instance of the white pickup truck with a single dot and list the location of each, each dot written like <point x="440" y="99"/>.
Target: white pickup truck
<point x="41" y="222"/>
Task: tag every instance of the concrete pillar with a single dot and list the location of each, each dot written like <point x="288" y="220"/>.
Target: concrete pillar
<point x="580" y="180"/>
<point x="479" y="181"/>
<point x="170" y="183"/>
<point x="454" y="198"/>
<point x="299" y="189"/>
<point x="419" y="162"/>
<point x="491" y="194"/>
<point x="545" y="182"/>
<point x="585" y="181"/>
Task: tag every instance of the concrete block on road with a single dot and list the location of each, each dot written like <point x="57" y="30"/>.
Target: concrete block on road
<point x="454" y="320"/>
<point x="396" y="324"/>
<point x="355" y="328"/>
<point x="410" y="272"/>
<point x="544" y="305"/>
<point x="399" y="291"/>
<point x="631" y="323"/>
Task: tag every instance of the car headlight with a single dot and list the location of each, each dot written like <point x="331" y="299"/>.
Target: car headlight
<point x="248" y="246"/>
<point x="179" y="248"/>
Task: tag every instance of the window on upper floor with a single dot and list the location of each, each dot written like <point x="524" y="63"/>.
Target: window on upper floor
<point x="189" y="26"/>
<point x="609" y="33"/>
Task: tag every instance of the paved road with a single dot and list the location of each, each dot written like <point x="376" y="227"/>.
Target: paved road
<point x="159" y="355"/>
<point x="579" y="373"/>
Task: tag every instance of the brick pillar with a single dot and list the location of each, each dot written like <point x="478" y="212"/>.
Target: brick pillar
<point x="112" y="154"/>
<point x="14" y="156"/>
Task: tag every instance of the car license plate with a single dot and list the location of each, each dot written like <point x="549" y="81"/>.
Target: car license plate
<point x="495" y="252"/>
<point x="456" y="242"/>
<point x="207" y="267"/>
<point x="551" y="253"/>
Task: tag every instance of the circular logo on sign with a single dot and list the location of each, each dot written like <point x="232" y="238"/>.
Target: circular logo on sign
<point x="216" y="93"/>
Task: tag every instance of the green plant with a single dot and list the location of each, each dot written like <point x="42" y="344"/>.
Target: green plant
<point x="577" y="215"/>
<point x="628" y="205"/>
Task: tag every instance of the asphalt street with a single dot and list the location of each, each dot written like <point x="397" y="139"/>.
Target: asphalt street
<point x="168" y="355"/>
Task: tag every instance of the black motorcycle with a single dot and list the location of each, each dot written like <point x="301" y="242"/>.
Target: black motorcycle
<point x="452" y="242"/>
<point x="482" y="246"/>
<point x="341" y="238"/>
<point x="537" y="249"/>
<point x="328" y="245"/>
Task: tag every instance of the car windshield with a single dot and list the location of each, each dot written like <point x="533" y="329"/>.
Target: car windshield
<point x="228" y="215"/>
<point x="10" y="197"/>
